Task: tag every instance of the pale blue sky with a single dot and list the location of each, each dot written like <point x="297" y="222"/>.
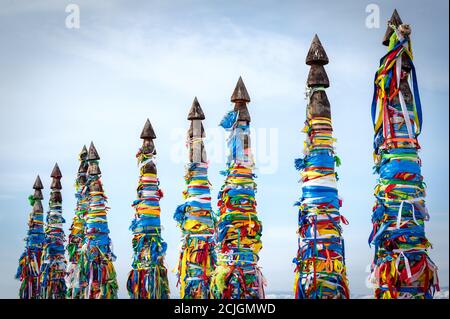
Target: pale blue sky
<point x="61" y="88"/>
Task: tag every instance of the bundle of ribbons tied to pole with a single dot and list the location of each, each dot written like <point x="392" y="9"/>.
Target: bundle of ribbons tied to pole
<point x="76" y="240"/>
<point x="96" y="256"/>
<point x="219" y="251"/>
<point x="320" y="271"/>
<point x="401" y="266"/>
<point x="148" y="276"/>
<point x="53" y="266"/>
<point x="194" y="217"/>
<point x="237" y="275"/>
<point x="30" y="260"/>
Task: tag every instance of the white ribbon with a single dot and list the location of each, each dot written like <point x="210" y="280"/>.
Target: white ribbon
<point x="142" y="164"/>
<point x="199" y="199"/>
<point x="91" y="277"/>
<point x="397" y="262"/>
<point x="326" y="181"/>
<point x="149" y="193"/>
<point x="400" y="210"/>
<point x="405" y="113"/>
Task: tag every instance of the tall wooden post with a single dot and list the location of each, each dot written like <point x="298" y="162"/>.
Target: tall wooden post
<point x="148" y="277"/>
<point x="197" y="258"/>
<point x="237" y="275"/>
<point x="53" y="267"/>
<point x="401" y="267"/>
<point x="30" y="260"/>
<point x="96" y="255"/>
<point x="75" y="287"/>
<point x="320" y="271"/>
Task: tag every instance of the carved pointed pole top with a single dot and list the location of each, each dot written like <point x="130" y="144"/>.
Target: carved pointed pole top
<point x="84" y="153"/>
<point x="240" y="97"/>
<point x="38" y="183"/>
<point x="92" y="153"/>
<point x="196" y="112"/>
<point x="319" y="106"/>
<point x="148" y="146"/>
<point x="56" y="172"/>
<point x="394" y="20"/>
<point x="56" y="178"/>
<point x="147" y="131"/>
<point x="316" y="53"/>
<point x="82" y="158"/>
<point x="240" y="93"/>
<point x="37" y="189"/>
<point x="93" y="168"/>
<point x="316" y="59"/>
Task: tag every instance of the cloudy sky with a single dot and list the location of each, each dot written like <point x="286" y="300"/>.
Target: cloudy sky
<point x="60" y="88"/>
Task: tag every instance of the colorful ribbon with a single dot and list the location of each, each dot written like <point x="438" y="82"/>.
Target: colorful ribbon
<point x="75" y="287"/>
<point x="320" y="272"/>
<point x="237" y="275"/>
<point x="53" y="266"/>
<point x="96" y="256"/>
<point x="148" y="278"/>
<point x="401" y="267"/>
<point x="30" y="260"/>
<point x="194" y="217"/>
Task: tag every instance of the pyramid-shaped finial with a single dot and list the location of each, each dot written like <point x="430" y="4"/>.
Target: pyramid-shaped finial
<point x="56" y="178"/>
<point x="56" y="173"/>
<point x="316" y="53"/>
<point x="240" y="92"/>
<point x="317" y="77"/>
<point x="94" y="169"/>
<point x="147" y="131"/>
<point x="38" y="183"/>
<point x="196" y="112"/>
<point x="394" y="20"/>
<point x="82" y="157"/>
<point x="83" y="153"/>
<point x="92" y="153"/>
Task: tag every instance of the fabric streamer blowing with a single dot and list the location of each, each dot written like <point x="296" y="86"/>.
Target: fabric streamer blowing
<point x="237" y="275"/>
<point x="194" y="217"/>
<point x="76" y="288"/>
<point x="401" y="267"/>
<point x="96" y="256"/>
<point x="321" y="270"/>
<point x="148" y="278"/>
<point x="53" y="267"/>
<point x="30" y="260"/>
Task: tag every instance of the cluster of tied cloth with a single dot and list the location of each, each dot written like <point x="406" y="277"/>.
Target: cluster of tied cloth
<point x="196" y="220"/>
<point x="148" y="277"/>
<point x="76" y="240"/>
<point x="53" y="266"/>
<point x="90" y="273"/>
<point x="320" y="271"/>
<point x="42" y="266"/>
<point x="238" y="231"/>
<point x="97" y="276"/>
<point x="401" y="267"/>
<point x="30" y="260"/>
